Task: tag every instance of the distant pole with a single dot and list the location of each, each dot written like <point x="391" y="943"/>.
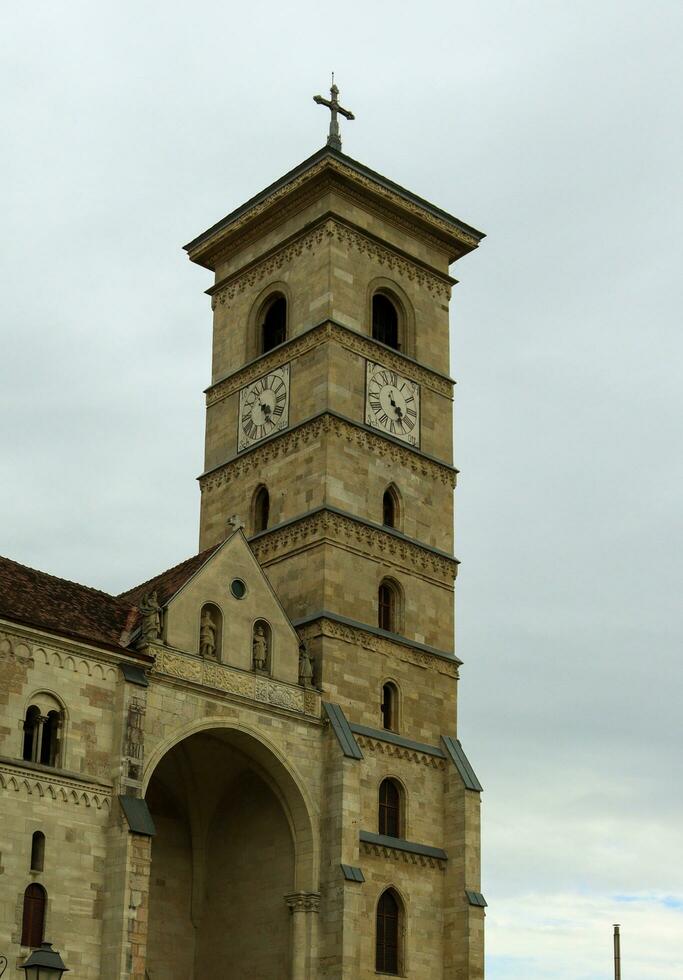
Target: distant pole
<point x="617" y="953"/>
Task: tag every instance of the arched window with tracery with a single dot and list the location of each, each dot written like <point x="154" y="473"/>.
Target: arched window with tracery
<point x="43" y="724"/>
<point x="389" y="813"/>
<point x="388" y="606"/>
<point x="38" y="851"/>
<point x="390" y="507"/>
<point x="389" y="707"/>
<point x="385" y="321"/>
<point x="261" y="509"/>
<point x="33" y="918"/>
<point x="388" y="933"/>
<point x="273" y="323"/>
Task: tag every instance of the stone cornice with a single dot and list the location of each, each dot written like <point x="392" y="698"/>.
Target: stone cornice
<point x="327" y="624"/>
<point x="327" y="423"/>
<point x="347" y="529"/>
<point x="398" y="849"/>
<point x="43" y="783"/>
<point x="321" y="333"/>
<point x="27" y="645"/>
<point x="230" y="680"/>
<point x="327" y="166"/>
<point x="377" y="746"/>
<point x="331" y="229"/>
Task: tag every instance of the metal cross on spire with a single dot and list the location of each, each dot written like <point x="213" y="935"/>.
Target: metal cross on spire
<point x="334" y="138"/>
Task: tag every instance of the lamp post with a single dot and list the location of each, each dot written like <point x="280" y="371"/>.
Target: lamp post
<point x="44" y="964"/>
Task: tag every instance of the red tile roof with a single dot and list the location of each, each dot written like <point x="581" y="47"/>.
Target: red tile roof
<point x="167" y="583"/>
<point x="58" y="606"/>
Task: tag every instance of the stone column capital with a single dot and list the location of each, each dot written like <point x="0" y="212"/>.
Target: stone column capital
<point x="303" y="901"/>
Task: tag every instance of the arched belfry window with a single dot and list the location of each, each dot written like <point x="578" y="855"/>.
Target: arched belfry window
<point x="388" y="933"/>
<point x="390" y="707"/>
<point x="42" y="732"/>
<point x="385" y="321"/>
<point x="390" y="808"/>
<point x="388" y="606"/>
<point x="38" y="851"/>
<point x="33" y="918"/>
<point x="32" y="734"/>
<point x="273" y="323"/>
<point x="390" y="507"/>
<point x="261" y="509"/>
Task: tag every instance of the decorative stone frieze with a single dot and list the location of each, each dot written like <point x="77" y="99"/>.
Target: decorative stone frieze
<point x="222" y="677"/>
<point x="377" y="747"/>
<point x="14" y="646"/>
<point x="377" y="644"/>
<point x="403" y="857"/>
<point x="57" y="788"/>
<point x="326" y="424"/>
<point x="331" y="230"/>
<point x="315" y="337"/>
<point x="351" y="532"/>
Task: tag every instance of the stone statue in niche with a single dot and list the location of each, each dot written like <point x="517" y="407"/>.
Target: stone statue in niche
<point x="207" y="635"/>
<point x="260" y="648"/>
<point x="305" y="666"/>
<point x="150" y="610"/>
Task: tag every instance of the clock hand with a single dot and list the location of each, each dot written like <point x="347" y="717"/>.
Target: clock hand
<point x="399" y="411"/>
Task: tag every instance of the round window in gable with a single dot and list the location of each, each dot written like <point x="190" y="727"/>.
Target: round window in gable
<point x="238" y="588"/>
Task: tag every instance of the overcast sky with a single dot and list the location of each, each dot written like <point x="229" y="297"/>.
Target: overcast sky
<point x="128" y="128"/>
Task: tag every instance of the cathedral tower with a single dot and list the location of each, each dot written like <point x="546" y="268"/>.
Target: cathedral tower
<point x="329" y="420"/>
<point x="329" y="434"/>
<point x="248" y="765"/>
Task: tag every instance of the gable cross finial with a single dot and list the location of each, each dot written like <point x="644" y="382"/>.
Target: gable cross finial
<point x="334" y="137"/>
<point x="235" y="523"/>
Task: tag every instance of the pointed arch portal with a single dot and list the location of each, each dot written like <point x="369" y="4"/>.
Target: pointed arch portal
<point x="233" y="844"/>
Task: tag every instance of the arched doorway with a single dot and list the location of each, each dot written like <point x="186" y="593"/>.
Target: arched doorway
<point x="233" y="839"/>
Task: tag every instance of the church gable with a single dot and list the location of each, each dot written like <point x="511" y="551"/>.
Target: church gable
<point x="227" y="611"/>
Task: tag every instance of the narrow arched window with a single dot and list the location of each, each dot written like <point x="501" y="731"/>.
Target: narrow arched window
<point x="388" y="607"/>
<point x="43" y="731"/>
<point x="33" y="919"/>
<point x="38" y="851"/>
<point x="389" y="808"/>
<point x="385" y="321"/>
<point x="32" y="732"/>
<point x="261" y="509"/>
<point x="274" y="324"/>
<point x="49" y="747"/>
<point x="389" y="707"/>
<point x="390" y="507"/>
<point x="388" y="931"/>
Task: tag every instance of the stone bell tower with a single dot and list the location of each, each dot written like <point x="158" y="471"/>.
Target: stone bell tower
<point x="329" y="433"/>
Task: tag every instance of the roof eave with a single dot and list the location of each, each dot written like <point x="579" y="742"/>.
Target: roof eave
<point x="461" y="236"/>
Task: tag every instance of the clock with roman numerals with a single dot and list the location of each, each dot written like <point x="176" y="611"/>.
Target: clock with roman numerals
<point x="263" y="407"/>
<point x="392" y="403"/>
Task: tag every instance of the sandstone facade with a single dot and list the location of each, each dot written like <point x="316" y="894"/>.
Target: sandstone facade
<point x="207" y="755"/>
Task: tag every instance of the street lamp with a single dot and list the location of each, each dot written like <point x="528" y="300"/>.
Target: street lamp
<point x="44" y="964"/>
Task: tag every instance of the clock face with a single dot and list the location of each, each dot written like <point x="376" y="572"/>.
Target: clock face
<point x="263" y="408"/>
<point x="392" y="403"/>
